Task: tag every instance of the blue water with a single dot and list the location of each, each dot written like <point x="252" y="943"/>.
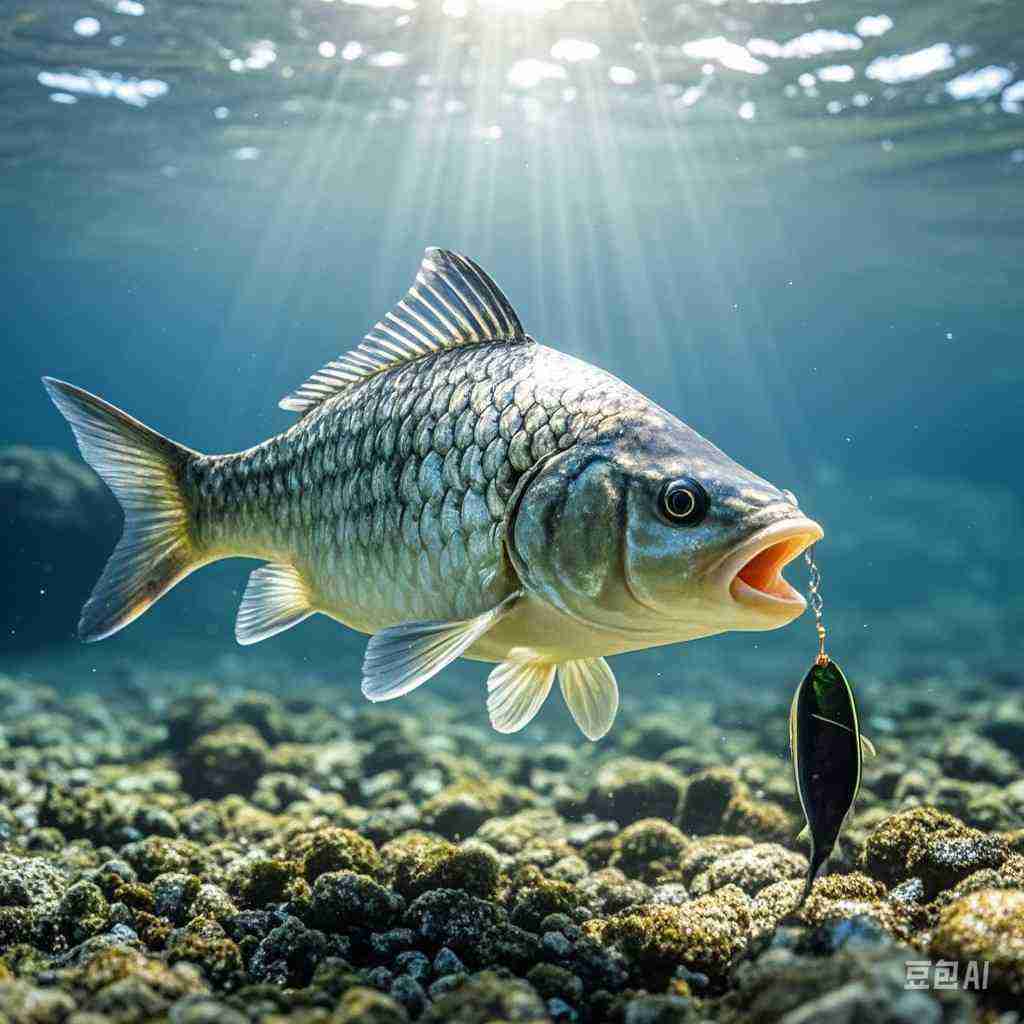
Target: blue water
<point x="799" y="226"/>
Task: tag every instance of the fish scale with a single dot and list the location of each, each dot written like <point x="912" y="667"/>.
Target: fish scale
<point x="395" y="492"/>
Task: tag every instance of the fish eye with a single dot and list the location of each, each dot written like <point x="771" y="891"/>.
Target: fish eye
<point x="684" y="502"/>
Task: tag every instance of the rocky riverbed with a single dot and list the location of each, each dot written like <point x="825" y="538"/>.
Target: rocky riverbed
<point x="199" y="854"/>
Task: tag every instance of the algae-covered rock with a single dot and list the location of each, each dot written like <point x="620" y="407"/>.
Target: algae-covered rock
<point x="708" y="794"/>
<point x="415" y="863"/>
<point x="751" y="868"/>
<point x="447" y="917"/>
<point x="229" y="760"/>
<point x="966" y="755"/>
<point x="986" y="927"/>
<point x="537" y="897"/>
<point x="488" y="997"/>
<point x="203" y="942"/>
<point x="363" y="1005"/>
<point x="343" y="898"/>
<point x="83" y="911"/>
<point x="460" y="809"/>
<point x="336" y="849"/>
<point x="648" y="849"/>
<point x="928" y="844"/>
<point x="629" y="788"/>
<point x="704" y="935"/>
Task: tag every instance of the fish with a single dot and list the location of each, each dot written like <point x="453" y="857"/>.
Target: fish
<point x="827" y="751"/>
<point x="454" y="488"/>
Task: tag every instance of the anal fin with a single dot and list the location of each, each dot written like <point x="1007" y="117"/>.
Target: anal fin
<point x="275" y="599"/>
<point x="589" y="688"/>
<point x="400" y="658"/>
<point x="516" y="691"/>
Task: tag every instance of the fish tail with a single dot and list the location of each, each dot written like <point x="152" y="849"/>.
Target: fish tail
<point x="145" y="471"/>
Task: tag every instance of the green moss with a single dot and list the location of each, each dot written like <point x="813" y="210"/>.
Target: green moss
<point x="86" y="813"/>
<point x="108" y="966"/>
<point x="157" y="855"/>
<point x="627" y="789"/>
<point x="136" y="896"/>
<point x="751" y="869"/>
<point x="336" y="849"/>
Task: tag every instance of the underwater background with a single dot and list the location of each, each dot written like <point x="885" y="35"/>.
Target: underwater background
<point x="796" y="224"/>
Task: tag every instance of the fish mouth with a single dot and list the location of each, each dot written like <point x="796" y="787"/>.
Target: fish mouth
<point x="752" y="572"/>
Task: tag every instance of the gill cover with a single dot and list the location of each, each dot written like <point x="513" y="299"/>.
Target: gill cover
<point x="566" y="536"/>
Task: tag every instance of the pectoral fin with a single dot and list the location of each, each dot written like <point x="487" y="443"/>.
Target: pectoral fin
<point x="589" y="689"/>
<point x="867" y="747"/>
<point x="516" y="691"/>
<point x="400" y="658"/>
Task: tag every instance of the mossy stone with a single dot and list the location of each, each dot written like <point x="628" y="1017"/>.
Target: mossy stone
<point x="338" y="849"/>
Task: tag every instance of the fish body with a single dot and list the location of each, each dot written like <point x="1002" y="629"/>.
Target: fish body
<point x="455" y="488"/>
<point x="827" y="748"/>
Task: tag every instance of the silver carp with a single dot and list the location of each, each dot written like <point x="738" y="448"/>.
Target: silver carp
<point x="455" y="488"/>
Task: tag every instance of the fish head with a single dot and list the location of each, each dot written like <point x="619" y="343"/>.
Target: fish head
<point x="649" y="531"/>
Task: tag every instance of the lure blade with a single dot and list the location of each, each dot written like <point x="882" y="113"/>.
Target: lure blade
<point x="826" y="749"/>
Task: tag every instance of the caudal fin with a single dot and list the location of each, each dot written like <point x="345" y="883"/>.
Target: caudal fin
<point x="144" y="470"/>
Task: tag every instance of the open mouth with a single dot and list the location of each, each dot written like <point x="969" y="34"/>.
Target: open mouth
<point x="753" y="572"/>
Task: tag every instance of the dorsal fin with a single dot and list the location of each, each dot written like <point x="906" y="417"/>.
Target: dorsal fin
<point x="452" y="302"/>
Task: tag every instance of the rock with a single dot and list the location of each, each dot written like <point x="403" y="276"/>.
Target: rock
<point x="987" y="927"/>
<point x="704" y="935"/>
<point x="416" y="863"/>
<point x="461" y="808"/>
<point x="628" y="789"/>
<point x="345" y="898"/>
<point x="966" y="755"/>
<point x="59" y="525"/>
<point x="488" y="997"/>
<point x="203" y="942"/>
<point x="708" y="794"/>
<point x="538" y="897"/>
<point x="337" y="849"/>
<point x="647" y="849"/>
<point x="366" y="1006"/>
<point x="83" y="911"/>
<point x="447" y="917"/>
<point x="751" y="869"/>
<point x="229" y="760"/>
<point x="291" y="953"/>
<point x="931" y="845"/>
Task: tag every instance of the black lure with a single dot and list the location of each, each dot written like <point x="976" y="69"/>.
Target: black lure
<point x="825" y="745"/>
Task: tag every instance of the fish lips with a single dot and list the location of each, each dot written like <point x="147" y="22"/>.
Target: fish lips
<point x="750" y="575"/>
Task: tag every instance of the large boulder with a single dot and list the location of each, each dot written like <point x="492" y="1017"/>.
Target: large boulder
<point x="58" y="525"/>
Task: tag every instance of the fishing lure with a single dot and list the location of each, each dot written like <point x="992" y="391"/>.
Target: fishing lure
<point x="825" y="743"/>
